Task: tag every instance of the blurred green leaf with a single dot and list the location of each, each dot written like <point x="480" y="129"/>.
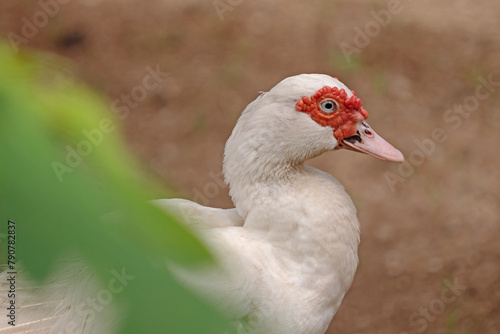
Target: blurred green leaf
<point x="62" y="167"/>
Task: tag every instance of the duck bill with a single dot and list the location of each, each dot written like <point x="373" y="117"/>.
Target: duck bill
<point x="368" y="141"/>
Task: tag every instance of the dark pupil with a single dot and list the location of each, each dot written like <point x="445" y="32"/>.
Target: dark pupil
<point x="329" y="105"/>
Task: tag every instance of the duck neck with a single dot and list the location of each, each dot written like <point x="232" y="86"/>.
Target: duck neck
<point x="305" y="213"/>
<point x="256" y="171"/>
<point x="260" y="161"/>
<point x="250" y="187"/>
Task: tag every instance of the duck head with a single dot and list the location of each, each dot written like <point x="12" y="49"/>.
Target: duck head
<point x="335" y="106"/>
<point x="302" y="117"/>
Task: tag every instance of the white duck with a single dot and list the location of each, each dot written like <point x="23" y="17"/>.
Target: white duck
<point x="288" y="250"/>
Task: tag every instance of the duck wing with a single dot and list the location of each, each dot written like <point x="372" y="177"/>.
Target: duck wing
<point x="200" y="216"/>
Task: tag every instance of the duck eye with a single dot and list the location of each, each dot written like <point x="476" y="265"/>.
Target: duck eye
<point x="329" y="106"/>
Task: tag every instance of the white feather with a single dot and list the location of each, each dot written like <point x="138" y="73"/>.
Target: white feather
<point x="58" y="306"/>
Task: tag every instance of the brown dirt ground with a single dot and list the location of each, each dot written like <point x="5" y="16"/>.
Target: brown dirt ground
<point x="441" y="224"/>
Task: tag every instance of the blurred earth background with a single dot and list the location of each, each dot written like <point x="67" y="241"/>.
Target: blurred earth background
<point x="430" y="250"/>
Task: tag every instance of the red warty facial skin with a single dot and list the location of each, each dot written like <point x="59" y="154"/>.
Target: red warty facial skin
<point x="344" y="120"/>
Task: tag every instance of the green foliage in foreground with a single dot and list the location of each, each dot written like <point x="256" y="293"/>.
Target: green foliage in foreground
<point x="57" y="203"/>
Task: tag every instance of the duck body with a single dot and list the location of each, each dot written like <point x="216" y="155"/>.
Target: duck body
<point x="291" y="278"/>
<point x="289" y="253"/>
